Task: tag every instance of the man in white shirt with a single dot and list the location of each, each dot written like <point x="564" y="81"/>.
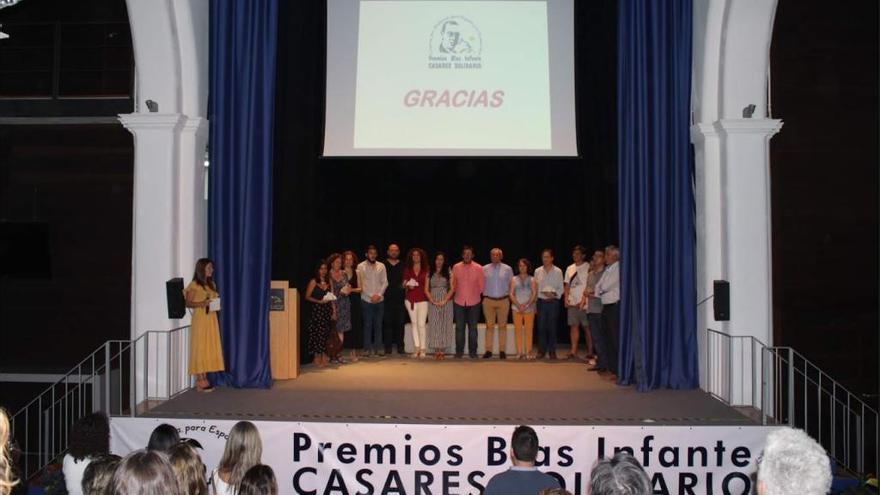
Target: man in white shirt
<point x="496" y="301"/>
<point x="374" y="281"/>
<point x="550" y="283"/>
<point x="576" y="300"/>
<point x="608" y="290"/>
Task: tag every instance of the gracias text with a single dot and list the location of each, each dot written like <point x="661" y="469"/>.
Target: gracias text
<point x="454" y="99"/>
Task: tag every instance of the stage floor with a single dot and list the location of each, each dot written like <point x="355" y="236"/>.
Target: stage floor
<point x="404" y="390"/>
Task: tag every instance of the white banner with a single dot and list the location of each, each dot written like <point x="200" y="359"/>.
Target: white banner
<point x="340" y="458"/>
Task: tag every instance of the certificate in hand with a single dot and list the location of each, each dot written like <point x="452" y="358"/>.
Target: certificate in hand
<point x="214" y="305"/>
<point x="412" y="283"/>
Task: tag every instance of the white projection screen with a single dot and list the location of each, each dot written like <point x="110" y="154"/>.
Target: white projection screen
<point x="450" y="78"/>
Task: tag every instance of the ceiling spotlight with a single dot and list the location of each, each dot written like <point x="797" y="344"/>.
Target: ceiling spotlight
<point x="8" y="3"/>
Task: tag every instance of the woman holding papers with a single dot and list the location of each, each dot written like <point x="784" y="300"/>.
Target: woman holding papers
<point x="549" y="280"/>
<point x="415" y="280"/>
<point x="206" y="354"/>
<point x="339" y="285"/>
<point x="320" y="296"/>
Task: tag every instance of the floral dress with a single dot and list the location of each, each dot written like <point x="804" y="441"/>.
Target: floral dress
<point x="343" y="304"/>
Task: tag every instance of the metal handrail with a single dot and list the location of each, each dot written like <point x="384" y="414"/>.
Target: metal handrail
<point x="795" y="392"/>
<point x="41" y="427"/>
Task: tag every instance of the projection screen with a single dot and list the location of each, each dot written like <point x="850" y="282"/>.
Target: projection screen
<point x="450" y="78"/>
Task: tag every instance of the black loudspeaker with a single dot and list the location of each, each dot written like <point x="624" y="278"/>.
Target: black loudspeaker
<point x="176" y="301"/>
<point x="721" y="300"/>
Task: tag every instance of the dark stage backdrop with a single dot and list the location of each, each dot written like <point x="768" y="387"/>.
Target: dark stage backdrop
<point x="521" y="205"/>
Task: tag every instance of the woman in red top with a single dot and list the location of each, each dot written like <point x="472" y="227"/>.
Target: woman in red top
<point x="415" y="281"/>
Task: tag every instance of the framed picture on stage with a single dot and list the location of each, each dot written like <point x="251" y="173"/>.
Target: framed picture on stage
<point x="276" y="299"/>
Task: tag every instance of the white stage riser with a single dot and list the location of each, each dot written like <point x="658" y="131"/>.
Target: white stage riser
<point x="348" y="458"/>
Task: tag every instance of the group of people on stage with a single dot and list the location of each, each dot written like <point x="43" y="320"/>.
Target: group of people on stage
<point x="444" y="303"/>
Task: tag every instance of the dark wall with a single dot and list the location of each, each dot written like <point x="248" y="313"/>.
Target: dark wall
<point x="824" y="172"/>
<point x="65" y="233"/>
<point x="522" y="205"/>
<point x="65" y="190"/>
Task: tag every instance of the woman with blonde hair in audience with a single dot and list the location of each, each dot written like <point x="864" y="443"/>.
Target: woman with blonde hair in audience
<point x="144" y="472"/>
<point x="7" y="478"/>
<point x="244" y="449"/>
<point x="188" y="469"/>
<point x="259" y="480"/>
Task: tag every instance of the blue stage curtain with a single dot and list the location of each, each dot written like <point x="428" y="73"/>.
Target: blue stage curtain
<point x="242" y="102"/>
<point x="658" y="340"/>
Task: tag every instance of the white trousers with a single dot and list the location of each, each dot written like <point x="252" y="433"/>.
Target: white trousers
<point x="418" y="317"/>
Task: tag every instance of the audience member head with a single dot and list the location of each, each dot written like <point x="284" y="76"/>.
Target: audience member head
<point x="188" y="469"/>
<point x="620" y="475"/>
<point x="349" y="260"/>
<point x="393" y="251"/>
<point x="204" y="273"/>
<point x="98" y="474"/>
<point x="440" y="263"/>
<point x="321" y="270"/>
<point x="417" y="256"/>
<point x="555" y="491"/>
<point x="144" y="472"/>
<point x="372" y="253"/>
<point x="7" y="477"/>
<point x="793" y="463"/>
<point x="612" y="254"/>
<point x="523" y="266"/>
<point x="259" y="480"/>
<point x="163" y="438"/>
<point x="90" y="436"/>
<point x="334" y="261"/>
<point x="467" y="253"/>
<point x="577" y="253"/>
<point x="547" y="256"/>
<point x="496" y="255"/>
<point x="244" y="449"/>
<point x="524" y="446"/>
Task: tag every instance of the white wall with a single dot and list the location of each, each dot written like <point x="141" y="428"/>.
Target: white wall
<point x="732" y="184"/>
<point x="170" y="39"/>
<point x="731" y="49"/>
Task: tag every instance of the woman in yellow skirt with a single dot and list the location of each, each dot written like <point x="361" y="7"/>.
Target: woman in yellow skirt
<point x="205" y="352"/>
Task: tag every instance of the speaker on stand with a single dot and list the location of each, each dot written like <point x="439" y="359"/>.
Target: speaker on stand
<point x="721" y="300"/>
<point x="175" y="298"/>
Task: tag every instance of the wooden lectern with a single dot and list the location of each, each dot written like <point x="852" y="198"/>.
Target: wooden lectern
<point x="283" y="330"/>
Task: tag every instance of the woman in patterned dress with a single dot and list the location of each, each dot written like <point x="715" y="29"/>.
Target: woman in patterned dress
<point x="440" y="308"/>
<point x="341" y="289"/>
<point x="322" y="315"/>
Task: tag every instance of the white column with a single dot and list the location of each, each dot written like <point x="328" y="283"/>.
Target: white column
<point x="709" y="222"/>
<point x="155" y="240"/>
<point x="747" y="246"/>
<point x="192" y="228"/>
<point x="734" y="244"/>
<point x="170" y="41"/>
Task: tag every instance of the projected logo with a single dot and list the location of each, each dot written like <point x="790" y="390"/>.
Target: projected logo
<point x="456" y="43"/>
